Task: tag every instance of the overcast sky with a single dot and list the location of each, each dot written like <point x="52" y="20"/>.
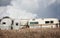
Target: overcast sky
<point x="30" y="8"/>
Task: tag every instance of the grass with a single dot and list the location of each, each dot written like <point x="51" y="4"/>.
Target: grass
<point x="31" y="33"/>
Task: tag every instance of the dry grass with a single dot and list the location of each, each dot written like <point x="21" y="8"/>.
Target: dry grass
<point x="31" y="33"/>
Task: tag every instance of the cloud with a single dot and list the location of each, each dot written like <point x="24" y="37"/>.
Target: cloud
<point x="3" y="9"/>
<point x="3" y="12"/>
<point x="45" y="9"/>
<point x="5" y="2"/>
<point x="58" y="1"/>
<point x="32" y="8"/>
<point x="28" y="5"/>
<point x="20" y="14"/>
<point x="58" y="9"/>
<point x="38" y="8"/>
<point x="22" y="8"/>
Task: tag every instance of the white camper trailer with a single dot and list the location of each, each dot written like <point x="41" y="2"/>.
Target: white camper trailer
<point x="43" y="23"/>
<point x="16" y="24"/>
<point x="5" y="23"/>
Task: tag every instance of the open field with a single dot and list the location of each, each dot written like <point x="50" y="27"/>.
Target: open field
<point x="31" y="33"/>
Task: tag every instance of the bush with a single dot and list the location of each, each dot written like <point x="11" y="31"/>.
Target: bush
<point x="31" y="33"/>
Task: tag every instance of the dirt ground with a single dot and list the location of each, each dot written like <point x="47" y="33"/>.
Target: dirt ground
<point x="31" y="33"/>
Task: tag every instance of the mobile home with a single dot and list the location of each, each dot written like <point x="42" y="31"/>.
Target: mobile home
<point x="16" y="24"/>
<point x="43" y="23"/>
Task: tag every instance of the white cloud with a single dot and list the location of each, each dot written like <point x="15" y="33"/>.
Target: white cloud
<point x="3" y="12"/>
<point x="25" y="4"/>
<point x="26" y="8"/>
<point x="22" y="8"/>
<point x="20" y="14"/>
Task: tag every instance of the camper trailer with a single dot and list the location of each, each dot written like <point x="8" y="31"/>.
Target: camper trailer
<point x="16" y="24"/>
<point x="5" y="23"/>
<point x="43" y="23"/>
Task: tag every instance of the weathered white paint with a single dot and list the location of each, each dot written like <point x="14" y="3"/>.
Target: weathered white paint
<point x="16" y="27"/>
<point x="24" y="21"/>
<point x="8" y="22"/>
<point x="41" y="23"/>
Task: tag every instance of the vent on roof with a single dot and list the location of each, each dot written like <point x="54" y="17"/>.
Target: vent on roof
<point x="33" y="19"/>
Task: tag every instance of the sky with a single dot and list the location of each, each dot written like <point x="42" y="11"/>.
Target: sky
<point x="26" y="9"/>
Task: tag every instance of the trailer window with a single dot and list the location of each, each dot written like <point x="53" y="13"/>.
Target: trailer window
<point x="46" y="22"/>
<point x="51" y="21"/>
<point x="4" y="23"/>
<point x="59" y="21"/>
<point x="16" y="24"/>
<point x="33" y="22"/>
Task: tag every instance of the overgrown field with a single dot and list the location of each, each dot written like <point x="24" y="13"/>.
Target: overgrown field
<point x="31" y="33"/>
